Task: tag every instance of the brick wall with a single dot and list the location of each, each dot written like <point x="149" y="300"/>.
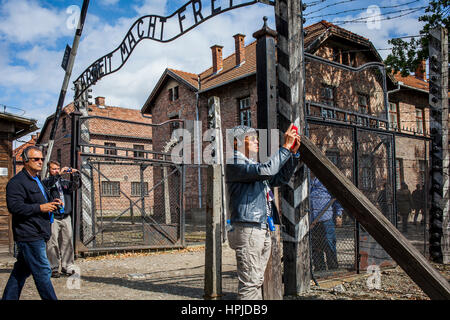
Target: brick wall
<point x="409" y="151"/>
<point x="5" y="218"/>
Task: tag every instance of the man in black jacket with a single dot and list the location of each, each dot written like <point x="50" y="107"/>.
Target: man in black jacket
<point x="28" y="202"/>
<point x="60" y="246"/>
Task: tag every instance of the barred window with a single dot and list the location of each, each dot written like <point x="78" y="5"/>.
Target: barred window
<point x="136" y="189"/>
<point x="111" y="188"/>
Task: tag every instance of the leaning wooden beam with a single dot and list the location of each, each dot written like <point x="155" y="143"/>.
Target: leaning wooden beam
<point x="378" y="226"/>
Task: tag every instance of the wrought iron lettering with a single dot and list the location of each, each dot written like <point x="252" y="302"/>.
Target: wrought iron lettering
<point x="152" y="27"/>
<point x="181" y="17"/>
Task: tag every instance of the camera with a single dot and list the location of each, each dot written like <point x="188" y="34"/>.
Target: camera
<point x="54" y="193"/>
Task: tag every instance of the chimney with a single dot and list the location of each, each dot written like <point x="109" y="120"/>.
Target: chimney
<point x="100" y="102"/>
<point x="239" y="45"/>
<point x="421" y="72"/>
<point x="217" y="58"/>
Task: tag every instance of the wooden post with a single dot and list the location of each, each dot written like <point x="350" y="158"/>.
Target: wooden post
<point x="213" y="244"/>
<point x="291" y="105"/>
<point x="438" y="98"/>
<point x="267" y="119"/>
<point x="375" y="223"/>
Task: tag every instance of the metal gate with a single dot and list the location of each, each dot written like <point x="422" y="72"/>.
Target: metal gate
<point x="132" y="193"/>
<point x="347" y="118"/>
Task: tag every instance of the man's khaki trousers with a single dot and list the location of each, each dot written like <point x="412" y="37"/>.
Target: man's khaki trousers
<point x="252" y="246"/>
<point x="60" y="246"/>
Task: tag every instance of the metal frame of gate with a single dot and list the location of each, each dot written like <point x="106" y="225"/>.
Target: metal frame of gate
<point x="86" y="157"/>
<point x="369" y="124"/>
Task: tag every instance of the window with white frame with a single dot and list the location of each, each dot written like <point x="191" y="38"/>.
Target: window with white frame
<point x="173" y="93"/>
<point x="393" y="115"/>
<point x="245" y="116"/>
<point x="420" y="124"/>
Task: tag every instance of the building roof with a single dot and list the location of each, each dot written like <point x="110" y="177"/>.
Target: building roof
<point x="22" y="126"/>
<point x="316" y="34"/>
<point x="413" y="82"/>
<point x="97" y="126"/>
<point x="230" y="70"/>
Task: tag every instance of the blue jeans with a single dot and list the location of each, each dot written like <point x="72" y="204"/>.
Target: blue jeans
<point x="31" y="260"/>
<point x="324" y="242"/>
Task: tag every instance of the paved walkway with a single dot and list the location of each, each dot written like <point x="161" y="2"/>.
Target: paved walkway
<point x="176" y="275"/>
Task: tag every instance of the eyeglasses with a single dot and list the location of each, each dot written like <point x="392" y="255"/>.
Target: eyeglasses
<point x="37" y="159"/>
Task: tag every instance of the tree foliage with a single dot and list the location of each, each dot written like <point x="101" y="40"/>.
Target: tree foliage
<point x="406" y="56"/>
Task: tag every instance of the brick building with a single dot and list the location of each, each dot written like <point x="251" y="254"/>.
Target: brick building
<point x="12" y="127"/>
<point x="410" y="114"/>
<point x="114" y="180"/>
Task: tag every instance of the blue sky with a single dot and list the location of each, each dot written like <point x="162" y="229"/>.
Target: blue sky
<point x="34" y="34"/>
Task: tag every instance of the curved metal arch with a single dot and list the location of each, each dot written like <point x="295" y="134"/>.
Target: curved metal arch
<point x="95" y="72"/>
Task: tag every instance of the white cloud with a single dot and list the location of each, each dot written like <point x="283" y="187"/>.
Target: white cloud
<point x="26" y="21"/>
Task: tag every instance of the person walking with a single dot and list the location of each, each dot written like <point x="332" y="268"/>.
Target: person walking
<point x="28" y="203"/>
<point x="60" y="246"/>
<point x="326" y="214"/>
<point x="418" y="196"/>
<point x="249" y="184"/>
<point x="404" y="205"/>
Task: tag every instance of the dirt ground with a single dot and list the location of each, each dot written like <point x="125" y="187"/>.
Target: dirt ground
<point x="179" y="274"/>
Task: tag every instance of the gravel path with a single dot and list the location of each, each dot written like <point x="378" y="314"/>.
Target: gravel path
<point x="178" y="275"/>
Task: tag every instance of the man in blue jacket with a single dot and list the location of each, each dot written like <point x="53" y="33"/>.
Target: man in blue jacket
<point x="249" y="185"/>
<point x="28" y="202"/>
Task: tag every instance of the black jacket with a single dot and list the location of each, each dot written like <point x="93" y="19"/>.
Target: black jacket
<point x="23" y="198"/>
<point x="67" y="186"/>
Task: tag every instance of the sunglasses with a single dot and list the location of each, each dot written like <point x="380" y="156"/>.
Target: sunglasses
<point x="36" y="159"/>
